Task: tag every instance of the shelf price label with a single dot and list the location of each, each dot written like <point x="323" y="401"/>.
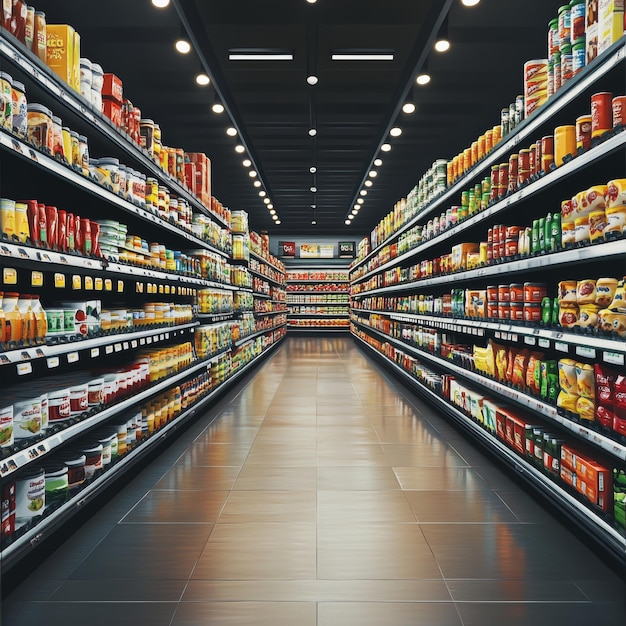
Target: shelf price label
<point x="95" y="352"/>
<point x="9" y="276"/>
<point x="98" y="283"/>
<point x="613" y="358"/>
<point x="133" y="343"/>
<point x="108" y="284"/>
<point x="52" y="362"/>
<point x="118" y="347"/>
<point x="142" y="342"/>
<point x="72" y="357"/>
<point x="88" y="283"/>
<point x="77" y="282"/>
<point x="36" y="279"/>
<point x="120" y="286"/>
<point x="24" y="368"/>
<point x="561" y="347"/>
<point x="125" y="345"/>
<point x="530" y="341"/>
<point x="544" y="343"/>
<point x="59" y="280"/>
<point x="586" y="352"/>
<point x="108" y="349"/>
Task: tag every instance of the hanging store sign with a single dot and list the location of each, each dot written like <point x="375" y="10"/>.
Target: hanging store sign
<point x="347" y="249"/>
<point x="287" y="249"/>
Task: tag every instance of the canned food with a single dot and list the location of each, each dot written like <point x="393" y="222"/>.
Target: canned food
<point x="511" y="247"/>
<point x="517" y="311"/>
<point x="516" y="291"/>
<point x="618" y="107"/>
<point x="534" y="292"/>
<point x="504" y="293"/>
<point x="492" y="310"/>
<point x="492" y="293"/>
<point x="601" y="113"/>
<point x="583" y="132"/>
<point x="564" y="143"/>
<point x="532" y="312"/>
<point x="504" y="310"/>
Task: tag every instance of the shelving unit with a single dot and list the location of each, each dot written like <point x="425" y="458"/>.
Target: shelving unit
<point x="318" y="299"/>
<point x="399" y="291"/>
<point x="190" y="383"/>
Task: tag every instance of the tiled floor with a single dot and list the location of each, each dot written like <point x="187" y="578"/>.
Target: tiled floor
<point x="323" y="494"/>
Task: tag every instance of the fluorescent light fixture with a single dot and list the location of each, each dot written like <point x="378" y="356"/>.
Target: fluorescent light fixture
<point x="395" y="132"/>
<point x="313" y="169"/>
<point x="160" y="4"/>
<point x="231" y="132"/>
<point x="252" y="174"/>
<point x="378" y="162"/>
<point x="362" y="54"/>
<point x="408" y="108"/>
<point x="260" y="54"/>
<point x="218" y="108"/>
<point x="202" y="79"/>
<point x="257" y="183"/>
<point x="423" y="79"/>
<point x="312" y="79"/>
<point x="246" y="162"/>
<point x="183" y="46"/>
<point x="470" y="3"/>
<point x="386" y="147"/>
<point x="239" y="149"/>
<point x="363" y="192"/>
<point x="360" y="201"/>
<point x="313" y="189"/>
<point x="311" y="1"/>
<point x="368" y="183"/>
<point x="312" y="132"/>
<point x="373" y="174"/>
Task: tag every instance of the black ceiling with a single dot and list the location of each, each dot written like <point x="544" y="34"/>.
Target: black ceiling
<point x="353" y="106"/>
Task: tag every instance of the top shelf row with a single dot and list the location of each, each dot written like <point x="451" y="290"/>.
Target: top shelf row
<point x="188" y="180"/>
<point x="553" y="109"/>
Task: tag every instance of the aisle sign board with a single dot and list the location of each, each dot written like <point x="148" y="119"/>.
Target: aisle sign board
<point x="287" y="249"/>
<point x="317" y="251"/>
<point x="347" y="249"/>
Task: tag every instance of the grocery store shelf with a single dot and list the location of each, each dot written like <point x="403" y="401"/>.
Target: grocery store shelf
<point x="243" y="340"/>
<point x="38" y="159"/>
<point x="258" y="257"/>
<point x="315" y="293"/>
<point x="533" y="335"/>
<point x="269" y="279"/>
<point x="24" y="358"/>
<point x="256" y="294"/>
<point x="39" y="449"/>
<point x="334" y="329"/>
<point x="528" y="402"/>
<point x="264" y="313"/>
<point x="582" y="81"/>
<point x="41" y="531"/>
<point x="322" y="315"/>
<point x="292" y="281"/>
<point x="65" y="95"/>
<point x="603" y="251"/>
<point x="606" y="536"/>
<point x="215" y="317"/>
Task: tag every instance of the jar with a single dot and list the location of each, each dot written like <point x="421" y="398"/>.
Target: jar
<point x="79" y="399"/>
<point x="564" y="143"/>
<point x="516" y="291"/>
<point x="146" y="135"/>
<point x="27" y="417"/>
<point x="492" y="293"/>
<point x="492" y="310"/>
<point x="59" y="405"/>
<point x="95" y="98"/>
<point x="30" y="495"/>
<point x="579" y="55"/>
<point x="504" y="310"/>
<point x="568" y="315"/>
<point x="618" y="107"/>
<point x="517" y="311"/>
<point x="22" y="228"/>
<point x="601" y="113"/>
<point x="19" y="109"/>
<point x="93" y="461"/>
<point x="58" y="147"/>
<point x="7" y="217"/>
<point x="83" y="154"/>
<point x="6" y="101"/>
<point x="13" y="317"/>
<point x="39" y="35"/>
<point x="75" y="464"/>
<point x="583" y="132"/>
<point x="564" y="21"/>
<point x="532" y="312"/>
<point x="107" y="452"/>
<point x="504" y="293"/>
<point x="597" y="225"/>
<point x="567" y="65"/>
<point x="577" y="19"/>
<point x="108" y="173"/>
<point x="29" y="27"/>
<point x="581" y="230"/>
<point x="95" y="392"/>
<point x="605" y="290"/>
<point x="6" y="426"/>
<point x="57" y="485"/>
<point x="553" y="36"/>
<point x="40" y="132"/>
<point x="534" y="292"/>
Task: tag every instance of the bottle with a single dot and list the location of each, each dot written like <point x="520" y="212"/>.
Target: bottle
<point x="22" y="229"/>
<point x="29" y="323"/>
<point x="3" y="322"/>
<point x="13" y="317"/>
<point x="29" y="27"/>
<point x="39" y="35"/>
<point x="41" y="321"/>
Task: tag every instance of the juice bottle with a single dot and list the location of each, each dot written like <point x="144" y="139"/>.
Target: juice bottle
<point x="3" y="323"/>
<point x="29" y="323"/>
<point x="13" y="317"/>
<point x="41" y="321"/>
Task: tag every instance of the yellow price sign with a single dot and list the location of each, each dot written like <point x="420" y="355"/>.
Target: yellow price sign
<point x="98" y="284"/>
<point x="120" y="286"/>
<point x="160" y="288"/>
<point x="108" y="284"/>
<point x="167" y="290"/>
<point x="77" y="282"/>
<point x="9" y="276"/>
<point x="59" y="280"/>
<point x="36" y="279"/>
<point x="88" y="283"/>
<point x="139" y="287"/>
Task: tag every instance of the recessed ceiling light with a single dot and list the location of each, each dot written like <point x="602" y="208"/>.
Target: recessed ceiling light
<point x="357" y="207"/>
<point x="270" y="206"/>
<point x="160" y="4"/>
<point x="183" y="46"/>
<point x="231" y="132"/>
<point x="313" y="222"/>
<point x="314" y="206"/>
<point x="246" y="162"/>
<point x="257" y="183"/>
<point x="202" y="79"/>
<point x="311" y="1"/>
<point x="361" y="54"/>
<point x="240" y="149"/>
<point x="218" y="108"/>
<point x="368" y="183"/>
<point x="266" y="200"/>
<point x="277" y="221"/>
<point x="423" y="79"/>
<point x="373" y="174"/>
<point x="252" y="174"/>
<point x="313" y="169"/>
<point x="470" y="3"/>
<point x="395" y="132"/>
<point x="313" y="189"/>
<point x="386" y="147"/>
<point x="408" y="108"/>
<point x="312" y="132"/>
<point x="360" y="201"/>
<point x="260" y="54"/>
<point x="347" y="222"/>
<point x="272" y="212"/>
<point x="262" y="193"/>
<point x="363" y="192"/>
<point x="442" y="45"/>
<point x="378" y="162"/>
<point x="312" y="79"/>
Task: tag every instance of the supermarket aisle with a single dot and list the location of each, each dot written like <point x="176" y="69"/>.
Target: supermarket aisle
<point x="321" y="495"/>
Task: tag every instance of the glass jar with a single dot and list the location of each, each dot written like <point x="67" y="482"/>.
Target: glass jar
<point x="40" y="131"/>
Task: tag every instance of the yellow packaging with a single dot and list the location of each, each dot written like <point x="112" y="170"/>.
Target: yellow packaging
<point x="76" y="63"/>
<point x="610" y="23"/>
<point x="459" y="255"/>
<point x="60" y="52"/>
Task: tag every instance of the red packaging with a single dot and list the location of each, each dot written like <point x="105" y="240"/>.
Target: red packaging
<point x="547" y="145"/>
<point x="85" y="233"/>
<point x="568" y="457"/>
<point x="501" y="425"/>
<point x="51" y="223"/>
<point x="43" y="222"/>
<point x="568" y="476"/>
<point x="618" y="107"/>
<point x="601" y="113"/>
<point x="619" y="422"/>
<point x="113" y="110"/>
<point x="590" y="490"/>
<point x="7" y="521"/>
<point x="95" y="239"/>
<point x="71" y="232"/>
<point x="32" y="211"/>
<point x="62" y="230"/>
<point x="112" y="88"/>
<point x="78" y="237"/>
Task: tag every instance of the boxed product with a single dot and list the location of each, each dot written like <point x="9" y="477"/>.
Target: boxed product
<point x="63" y="53"/>
<point x="112" y="110"/>
<point x="590" y="490"/>
<point x="619" y="497"/>
<point x="591" y="30"/>
<point x="202" y="181"/>
<point x="112" y="88"/>
<point x="610" y="23"/>
<point x="459" y="255"/>
<point x="568" y="476"/>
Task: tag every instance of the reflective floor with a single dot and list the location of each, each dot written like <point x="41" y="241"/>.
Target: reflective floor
<point x="322" y="494"/>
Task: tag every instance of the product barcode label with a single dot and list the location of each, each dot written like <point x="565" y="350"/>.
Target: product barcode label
<point x="52" y="362"/>
<point x="95" y="352"/>
<point x="614" y="358"/>
<point x="72" y="357"/>
<point x="530" y="341"/>
<point x="544" y="343"/>
<point x="24" y="368"/>
<point x="585" y="351"/>
<point x="560" y="346"/>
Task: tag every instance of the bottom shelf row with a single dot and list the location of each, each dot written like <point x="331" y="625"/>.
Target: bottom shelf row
<point x="36" y="499"/>
<point x="589" y="485"/>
